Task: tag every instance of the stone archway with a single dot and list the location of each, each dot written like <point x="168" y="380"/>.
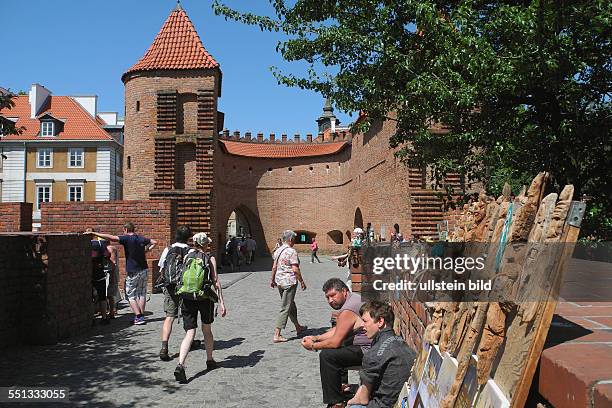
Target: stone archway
<point x="245" y="222"/>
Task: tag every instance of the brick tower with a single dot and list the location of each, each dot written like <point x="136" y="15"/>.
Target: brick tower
<point x="171" y="122"/>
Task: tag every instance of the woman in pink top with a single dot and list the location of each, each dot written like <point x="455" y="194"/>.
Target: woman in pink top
<point x="314" y="247"/>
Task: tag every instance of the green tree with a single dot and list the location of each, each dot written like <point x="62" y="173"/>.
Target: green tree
<point x="522" y="86"/>
<point x="7" y="127"/>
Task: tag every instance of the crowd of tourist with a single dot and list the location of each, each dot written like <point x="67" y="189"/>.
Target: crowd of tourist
<point x="362" y="336"/>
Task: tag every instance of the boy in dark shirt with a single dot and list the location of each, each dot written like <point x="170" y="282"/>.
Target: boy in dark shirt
<point x="387" y="364"/>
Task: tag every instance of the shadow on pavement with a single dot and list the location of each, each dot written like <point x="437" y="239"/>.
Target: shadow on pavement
<point x="225" y="344"/>
<point x="250" y="360"/>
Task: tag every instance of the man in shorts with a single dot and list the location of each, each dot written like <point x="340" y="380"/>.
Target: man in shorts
<point x="171" y="299"/>
<point x="136" y="268"/>
<point x="190" y="309"/>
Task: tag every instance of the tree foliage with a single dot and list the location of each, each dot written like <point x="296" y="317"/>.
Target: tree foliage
<point x="522" y="86"/>
<point x="7" y="127"/>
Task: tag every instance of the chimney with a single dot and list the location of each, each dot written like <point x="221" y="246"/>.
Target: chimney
<point x="309" y="138"/>
<point x="260" y="137"/>
<point x="247" y="136"/>
<point x="272" y="137"/>
<point x="37" y="98"/>
<point x="284" y="138"/>
<point x="90" y="103"/>
<point x="296" y="138"/>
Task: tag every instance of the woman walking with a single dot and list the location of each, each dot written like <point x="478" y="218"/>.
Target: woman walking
<point x="286" y="275"/>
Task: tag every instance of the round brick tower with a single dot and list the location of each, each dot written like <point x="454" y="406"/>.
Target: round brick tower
<point x="171" y="121"/>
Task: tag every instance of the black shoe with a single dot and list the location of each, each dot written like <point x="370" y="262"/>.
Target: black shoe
<point x="211" y="365"/>
<point x="163" y="354"/>
<point x="179" y="374"/>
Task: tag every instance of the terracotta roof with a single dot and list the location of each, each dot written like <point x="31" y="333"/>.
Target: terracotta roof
<point x="281" y="150"/>
<point x="78" y="123"/>
<point x="176" y="46"/>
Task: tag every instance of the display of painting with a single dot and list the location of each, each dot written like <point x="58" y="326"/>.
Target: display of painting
<point x="433" y="376"/>
<point x="484" y="353"/>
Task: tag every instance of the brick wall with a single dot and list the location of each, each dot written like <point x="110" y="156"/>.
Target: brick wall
<point x="15" y="217"/>
<point x="320" y="195"/>
<point x="45" y="287"/>
<point x="141" y="125"/>
<point x="153" y="218"/>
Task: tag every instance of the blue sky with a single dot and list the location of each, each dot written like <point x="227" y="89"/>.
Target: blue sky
<point x="76" y="47"/>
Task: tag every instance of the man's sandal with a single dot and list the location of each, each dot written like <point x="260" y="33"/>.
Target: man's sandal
<point x="280" y="339"/>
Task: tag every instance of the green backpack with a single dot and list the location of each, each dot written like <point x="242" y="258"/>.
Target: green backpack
<point x="196" y="280"/>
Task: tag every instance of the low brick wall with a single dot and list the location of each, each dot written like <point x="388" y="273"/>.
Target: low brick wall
<point x="15" y="217"/>
<point x="153" y="218"/>
<point x="45" y="287"/>
<point x="411" y="316"/>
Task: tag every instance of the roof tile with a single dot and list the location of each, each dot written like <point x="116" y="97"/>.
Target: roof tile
<point x="176" y="46"/>
<point x="78" y="123"/>
<point x="281" y="150"/>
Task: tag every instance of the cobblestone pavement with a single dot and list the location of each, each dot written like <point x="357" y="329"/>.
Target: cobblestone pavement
<point x="118" y="365"/>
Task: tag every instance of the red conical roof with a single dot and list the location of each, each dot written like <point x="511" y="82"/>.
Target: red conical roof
<point x="176" y="46"/>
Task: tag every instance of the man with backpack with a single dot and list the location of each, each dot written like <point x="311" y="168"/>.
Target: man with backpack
<point x="199" y="289"/>
<point x="171" y="267"/>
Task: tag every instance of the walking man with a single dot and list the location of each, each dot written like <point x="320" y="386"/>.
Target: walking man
<point x="314" y="247"/>
<point x="203" y="304"/>
<point x="136" y="268"/>
<point x="170" y="265"/>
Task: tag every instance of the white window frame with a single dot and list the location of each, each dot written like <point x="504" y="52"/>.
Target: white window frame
<point x="82" y="158"/>
<point x="47" y="128"/>
<point x="75" y="185"/>
<point x="38" y="156"/>
<point x="43" y="185"/>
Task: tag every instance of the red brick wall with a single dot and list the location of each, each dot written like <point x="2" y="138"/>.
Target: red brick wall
<point x="15" y="217"/>
<point x="319" y="194"/>
<point x="153" y="218"/>
<point x="141" y="126"/>
<point x="45" y="287"/>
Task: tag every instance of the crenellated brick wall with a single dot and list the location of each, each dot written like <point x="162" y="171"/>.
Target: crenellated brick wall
<point x="155" y="219"/>
<point x="15" y="217"/>
<point x="45" y="287"/>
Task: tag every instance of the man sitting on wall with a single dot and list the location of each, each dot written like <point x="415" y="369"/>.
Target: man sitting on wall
<point x="343" y="345"/>
<point x="387" y="364"/>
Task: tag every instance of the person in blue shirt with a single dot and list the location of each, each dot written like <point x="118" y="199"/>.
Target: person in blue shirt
<point x="136" y="268"/>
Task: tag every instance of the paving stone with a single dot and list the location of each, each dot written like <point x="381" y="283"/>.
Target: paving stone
<point x="118" y="365"/>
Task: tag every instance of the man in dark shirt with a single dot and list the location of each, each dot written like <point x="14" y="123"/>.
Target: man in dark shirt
<point x="136" y="268"/>
<point x="387" y="364"/>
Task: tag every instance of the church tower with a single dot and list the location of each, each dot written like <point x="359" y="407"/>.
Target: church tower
<point x="171" y="122"/>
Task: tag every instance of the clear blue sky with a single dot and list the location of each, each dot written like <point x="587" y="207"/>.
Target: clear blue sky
<point x="83" y="47"/>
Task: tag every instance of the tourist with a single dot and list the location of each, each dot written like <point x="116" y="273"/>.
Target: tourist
<point x="285" y="276"/>
<point x="387" y="364"/>
<point x="251" y="246"/>
<point x="343" y="345"/>
<point x="135" y="247"/>
<point x="314" y="247"/>
<point x="279" y="243"/>
<point x="175" y="255"/>
<point x="100" y="261"/>
<point x="112" y="294"/>
<point x="205" y="306"/>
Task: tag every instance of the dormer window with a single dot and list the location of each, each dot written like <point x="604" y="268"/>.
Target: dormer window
<point x="47" y="128"/>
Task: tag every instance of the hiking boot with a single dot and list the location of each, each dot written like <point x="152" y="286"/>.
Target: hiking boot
<point x="163" y="354"/>
<point x="211" y="365"/>
<point x="179" y="374"/>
